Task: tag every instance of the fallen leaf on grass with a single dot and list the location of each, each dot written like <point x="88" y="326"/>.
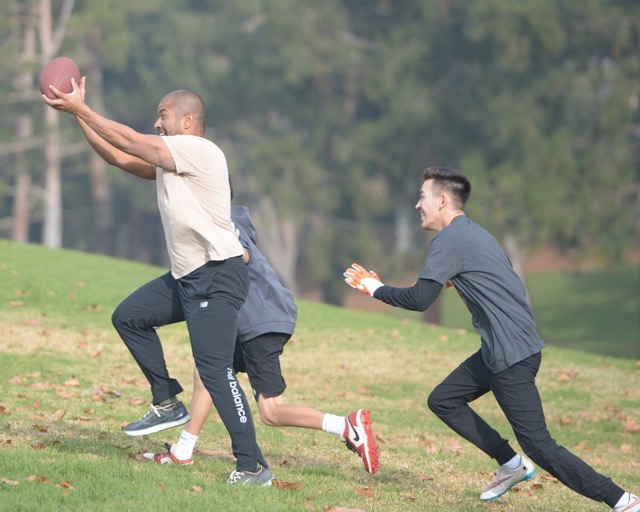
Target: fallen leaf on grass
<point x="367" y="492"/>
<point x="102" y="390"/>
<point x="409" y="496"/>
<point x="566" y="376"/>
<point x="548" y="478"/>
<point x="72" y="382"/>
<point x="567" y="420"/>
<point x="632" y="427"/>
<point x="580" y="446"/>
<point x="7" y="481"/>
<point x="454" y="445"/>
<point x="332" y="508"/>
<point x="196" y="488"/>
<point x="3" y="411"/>
<point x="287" y="486"/>
<point x="68" y="395"/>
<point x="65" y="485"/>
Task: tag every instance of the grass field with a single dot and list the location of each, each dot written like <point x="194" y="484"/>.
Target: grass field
<point x="68" y="385"/>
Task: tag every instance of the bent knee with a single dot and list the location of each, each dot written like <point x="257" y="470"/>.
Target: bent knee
<point x="438" y="403"/>
<point x="269" y="418"/>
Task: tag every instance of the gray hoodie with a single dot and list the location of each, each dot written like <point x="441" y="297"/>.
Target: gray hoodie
<point x="270" y="307"/>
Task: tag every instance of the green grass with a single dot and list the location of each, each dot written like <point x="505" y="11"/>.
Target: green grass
<point x="68" y="385"/>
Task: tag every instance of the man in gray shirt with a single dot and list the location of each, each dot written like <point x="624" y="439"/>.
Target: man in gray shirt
<point x="467" y="257"/>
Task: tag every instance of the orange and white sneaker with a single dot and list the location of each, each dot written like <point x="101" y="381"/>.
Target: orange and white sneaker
<point x="166" y="458"/>
<point x="358" y="436"/>
<point x="632" y="504"/>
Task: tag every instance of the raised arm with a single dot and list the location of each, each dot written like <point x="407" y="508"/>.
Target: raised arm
<point x="115" y="156"/>
<point x="148" y="148"/>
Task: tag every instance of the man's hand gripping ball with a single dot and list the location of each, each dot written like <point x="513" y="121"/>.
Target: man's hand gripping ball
<point x="361" y="279"/>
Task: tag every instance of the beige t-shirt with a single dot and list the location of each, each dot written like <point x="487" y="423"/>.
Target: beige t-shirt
<point x="195" y="205"/>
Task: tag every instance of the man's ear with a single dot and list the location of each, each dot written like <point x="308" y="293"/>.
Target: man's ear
<point x="187" y="121"/>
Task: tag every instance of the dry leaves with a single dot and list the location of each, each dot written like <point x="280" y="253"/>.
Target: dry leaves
<point x="367" y="492"/>
<point x="281" y="485"/>
<point x="567" y="375"/>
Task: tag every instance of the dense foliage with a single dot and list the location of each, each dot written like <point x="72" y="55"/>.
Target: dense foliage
<point x="329" y="111"/>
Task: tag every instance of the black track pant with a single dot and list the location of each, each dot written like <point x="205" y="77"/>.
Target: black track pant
<point x="516" y="393"/>
<point x="208" y="299"/>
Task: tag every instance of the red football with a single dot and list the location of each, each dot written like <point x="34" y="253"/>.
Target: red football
<point x="58" y="73"/>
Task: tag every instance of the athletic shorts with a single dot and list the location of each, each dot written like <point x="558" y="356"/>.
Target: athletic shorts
<point x="259" y="358"/>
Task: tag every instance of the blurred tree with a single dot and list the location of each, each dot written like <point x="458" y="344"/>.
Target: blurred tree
<point x="329" y="111"/>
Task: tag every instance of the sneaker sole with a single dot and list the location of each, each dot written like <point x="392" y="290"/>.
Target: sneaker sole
<point x="529" y="476"/>
<point x="158" y="428"/>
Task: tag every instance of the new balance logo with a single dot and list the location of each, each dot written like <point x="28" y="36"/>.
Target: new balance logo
<point x="204" y="304"/>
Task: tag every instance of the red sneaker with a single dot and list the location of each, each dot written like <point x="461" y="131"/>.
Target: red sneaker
<point x="358" y="436"/>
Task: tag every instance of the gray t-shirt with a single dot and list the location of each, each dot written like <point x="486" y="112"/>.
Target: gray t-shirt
<point x="471" y="258"/>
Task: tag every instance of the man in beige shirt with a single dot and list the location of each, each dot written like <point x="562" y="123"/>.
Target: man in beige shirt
<point x="208" y="282"/>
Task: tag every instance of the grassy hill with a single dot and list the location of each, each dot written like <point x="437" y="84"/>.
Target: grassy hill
<point x="68" y="385"/>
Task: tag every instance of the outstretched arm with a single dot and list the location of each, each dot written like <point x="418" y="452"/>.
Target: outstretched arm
<point x="418" y="297"/>
<point x="149" y="148"/>
<point x="415" y="298"/>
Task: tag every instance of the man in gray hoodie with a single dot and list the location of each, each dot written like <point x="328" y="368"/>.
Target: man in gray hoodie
<point x="266" y="322"/>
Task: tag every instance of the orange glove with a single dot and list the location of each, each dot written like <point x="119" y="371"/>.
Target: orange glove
<point x="361" y="279"/>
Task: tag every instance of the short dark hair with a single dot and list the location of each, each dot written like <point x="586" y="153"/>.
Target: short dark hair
<point x="450" y="180"/>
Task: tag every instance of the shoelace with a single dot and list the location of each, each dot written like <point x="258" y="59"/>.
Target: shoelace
<point x="154" y="410"/>
<point x="235" y="476"/>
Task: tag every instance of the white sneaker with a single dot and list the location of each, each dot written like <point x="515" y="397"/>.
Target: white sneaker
<point x="633" y="505"/>
<point x="506" y="478"/>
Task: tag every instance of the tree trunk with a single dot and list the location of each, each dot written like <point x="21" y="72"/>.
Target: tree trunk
<point x="24" y="131"/>
<point x="100" y="183"/>
<point x="51" y="38"/>
<point x="516" y="255"/>
<point x="278" y="242"/>
<point x="403" y="231"/>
